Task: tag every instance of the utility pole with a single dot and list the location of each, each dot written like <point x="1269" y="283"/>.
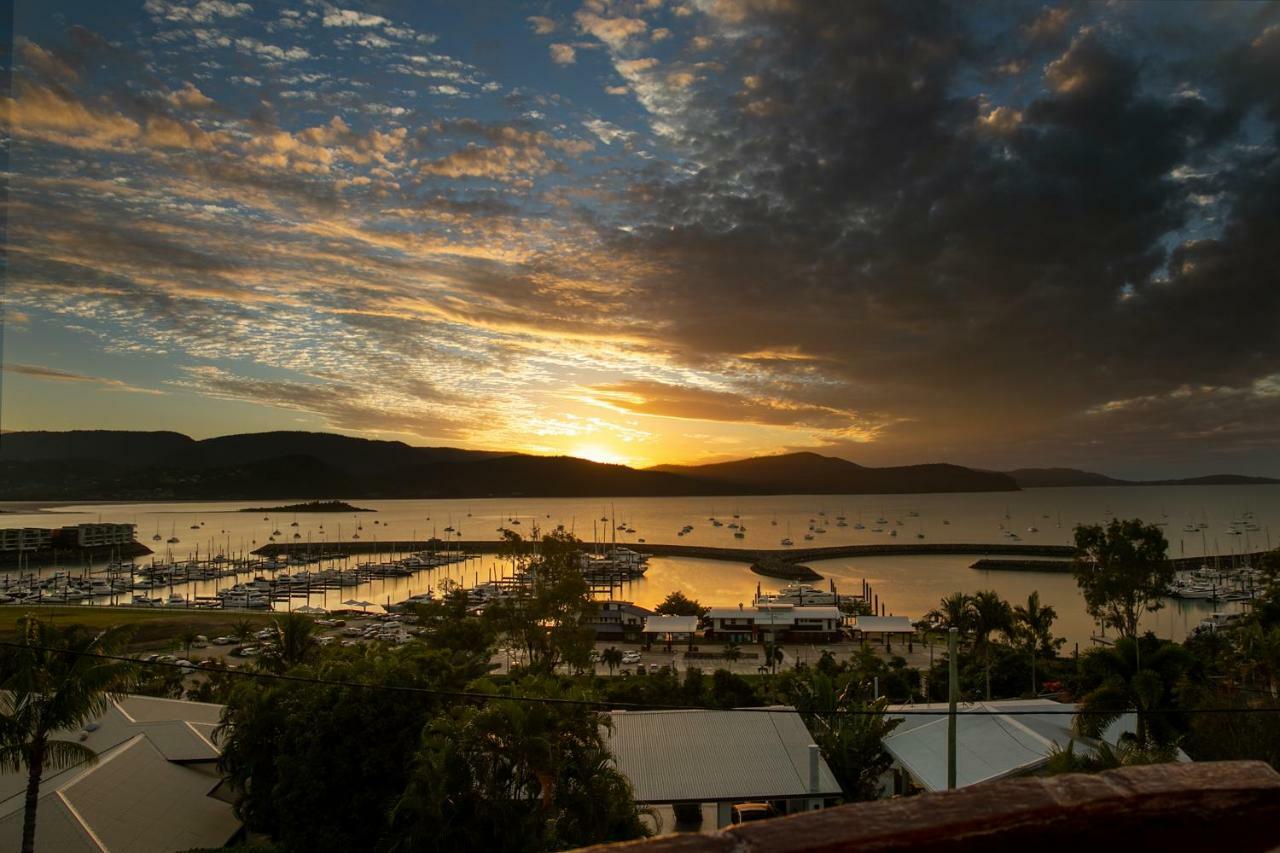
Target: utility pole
<point x="953" y="695"/>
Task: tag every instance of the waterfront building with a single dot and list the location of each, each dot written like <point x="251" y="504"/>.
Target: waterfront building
<point x="25" y="538"/>
<point x="96" y="535"/>
<point x="618" y="620"/>
<point x="669" y="629"/>
<point x="765" y="621"/>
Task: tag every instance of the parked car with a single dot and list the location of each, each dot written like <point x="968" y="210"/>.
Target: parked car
<point x="749" y="812"/>
<point x="223" y="641"/>
<point x="631" y="657"/>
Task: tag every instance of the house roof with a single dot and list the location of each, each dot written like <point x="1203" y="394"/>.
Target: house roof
<point x="143" y="795"/>
<point x="708" y="756"/>
<point x="671" y="624"/>
<point x="992" y="740"/>
<point x="776" y="614"/>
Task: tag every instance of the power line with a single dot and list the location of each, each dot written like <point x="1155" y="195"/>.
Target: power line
<point x="622" y="706"/>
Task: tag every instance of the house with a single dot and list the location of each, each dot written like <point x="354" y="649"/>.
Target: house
<point x="765" y="621"/>
<point x="993" y="741"/>
<point x="618" y="620"/>
<point x="155" y="787"/>
<point x="713" y="759"/>
<point x="667" y="629"/>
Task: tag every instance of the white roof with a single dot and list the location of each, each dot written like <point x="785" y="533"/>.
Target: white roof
<point x="670" y="624"/>
<point x="883" y="624"/>
<point x="991" y="741"/>
<point x="706" y="756"/>
<point x="145" y="794"/>
<point x="777" y="614"/>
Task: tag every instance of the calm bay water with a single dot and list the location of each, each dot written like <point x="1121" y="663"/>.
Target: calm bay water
<point x="909" y="585"/>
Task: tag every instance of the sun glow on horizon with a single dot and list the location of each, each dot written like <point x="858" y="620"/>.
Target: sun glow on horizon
<point x="600" y="453"/>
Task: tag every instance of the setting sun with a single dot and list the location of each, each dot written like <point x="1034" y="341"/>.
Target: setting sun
<point x="598" y="453"/>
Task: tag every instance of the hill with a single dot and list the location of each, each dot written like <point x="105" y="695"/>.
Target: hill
<point x="1046" y="478"/>
<point x="812" y="473"/>
<point x="104" y="465"/>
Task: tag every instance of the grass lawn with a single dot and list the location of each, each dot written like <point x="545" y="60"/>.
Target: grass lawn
<point x="153" y="627"/>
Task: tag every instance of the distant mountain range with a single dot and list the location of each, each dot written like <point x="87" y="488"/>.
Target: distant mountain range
<point x="125" y="465"/>
<point x="1043" y="478"/>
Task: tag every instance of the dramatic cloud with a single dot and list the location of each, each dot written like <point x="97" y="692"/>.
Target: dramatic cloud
<point x="1020" y="234"/>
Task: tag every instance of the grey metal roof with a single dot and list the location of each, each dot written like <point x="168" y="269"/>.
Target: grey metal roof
<point x="137" y="797"/>
<point x="706" y="756"/>
<point x="989" y="745"/>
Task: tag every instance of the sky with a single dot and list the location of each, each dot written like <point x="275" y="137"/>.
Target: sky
<point x="997" y="234"/>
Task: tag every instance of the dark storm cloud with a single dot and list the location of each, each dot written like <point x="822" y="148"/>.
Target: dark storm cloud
<point x="981" y="269"/>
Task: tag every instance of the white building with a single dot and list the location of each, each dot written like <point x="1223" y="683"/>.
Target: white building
<point x="98" y="535"/>
<point x="765" y="621"/>
<point x="25" y="538"/>
<point x="155" y="787"/>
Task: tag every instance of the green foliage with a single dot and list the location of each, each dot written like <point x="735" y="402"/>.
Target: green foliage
<point x="1123" y="571"/>
<point x="732" y="691"/>
<point x="849" y="732"/>
<point x="1033" y="626"/>
<point x="547" y="627"/>
<point x="317" y="765"/>
<point x="953" y="611"/>
<point x="1103" y="756"/>
<point x="677" y="604"/>
<point x="50" y="683"/>
<point x="514" y="776"/>
<point x="1141" y="675"/>
<point x="294" y="642"/>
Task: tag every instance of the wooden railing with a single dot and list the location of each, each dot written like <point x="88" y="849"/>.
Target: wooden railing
<point x="1230" y="805"/>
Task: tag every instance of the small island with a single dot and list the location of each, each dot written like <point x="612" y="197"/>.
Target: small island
<point x="778" y="568"/>
<point x="311" y="506"/>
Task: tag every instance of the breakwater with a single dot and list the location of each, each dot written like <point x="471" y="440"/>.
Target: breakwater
<point x="1182" y="564"/>
<point x="737" y="555"/>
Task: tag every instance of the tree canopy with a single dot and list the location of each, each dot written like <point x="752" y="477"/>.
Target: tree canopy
<point x="1123" y="571"/>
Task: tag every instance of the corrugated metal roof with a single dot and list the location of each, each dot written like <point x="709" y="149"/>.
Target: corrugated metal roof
<point x="707" y="756"/>
<point x="780" y="614"/>
<point x="136" y="801"/>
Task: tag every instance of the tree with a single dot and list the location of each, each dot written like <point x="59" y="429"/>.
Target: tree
<point x="242" y="630"/>
<point x="677" y="604"/>
<point x="772" y="656"/>
<point x="1123" y="571"/>
<point x="612" y="658"/>
<point x="516" y="776"/>
<point x="989" y="613"/>
<point x="1034" y="623"/>
<point x="732" y="652"/>
<point x="850" y="733"/>
<point x="547" y="625"/>
<point x="52" y="682"/>
<point x="1138" y="674"/>
<point x="295" y="641"/>
<point x="188" y="639"/>
<point x="953" y="611"/>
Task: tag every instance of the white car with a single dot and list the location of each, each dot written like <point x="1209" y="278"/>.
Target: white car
<point x="631" y="657"/>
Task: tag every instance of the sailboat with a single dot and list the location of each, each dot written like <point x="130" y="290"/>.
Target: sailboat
<point x="173" y="535"/>
<point x="157" y="537"/>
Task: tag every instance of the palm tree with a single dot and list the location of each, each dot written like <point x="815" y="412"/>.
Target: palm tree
<point x="772" y="656"/>
<point x="242" y="630"/>
<point x="1034" y="623"/>
<point x="989" y="613"/>
<point x="1262" y="654"/>
<point x="1123" y="682"/>
<point x="295" y="640"/>
<point x="188" y="639"/>
<point x="612" y="658"/>
<point x="53" y="682"/>
<point x="953" y="611"/>
<point x="732" y="652"/>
